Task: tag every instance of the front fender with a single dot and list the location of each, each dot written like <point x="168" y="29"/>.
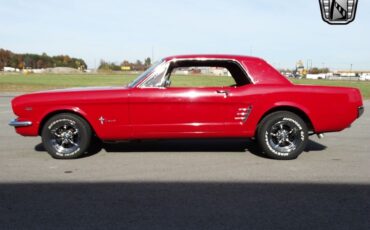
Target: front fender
<point x="49" y="112"/>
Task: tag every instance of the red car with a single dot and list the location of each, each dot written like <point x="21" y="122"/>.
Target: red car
<point x="193" y="96"/>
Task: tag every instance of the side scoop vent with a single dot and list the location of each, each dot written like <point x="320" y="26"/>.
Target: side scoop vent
<point x="243" y="114"/>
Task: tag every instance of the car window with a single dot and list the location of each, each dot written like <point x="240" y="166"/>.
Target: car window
<point x="200" y="77"/>
<point x="157" y="78"/>
<point x="145" y="74"/>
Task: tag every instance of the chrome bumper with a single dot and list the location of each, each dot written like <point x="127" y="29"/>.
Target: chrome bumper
<point x="361" y="111"/>
<point x="16" y="123"/>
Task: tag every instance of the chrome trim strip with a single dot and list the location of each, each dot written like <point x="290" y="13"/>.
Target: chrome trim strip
<point x="243" y="114"/>
<point x="16" y="123"/>
<point x="241" y="66"/>
<point x="247" y="113"/>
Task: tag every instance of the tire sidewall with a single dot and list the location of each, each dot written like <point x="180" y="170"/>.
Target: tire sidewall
<point x="268" y="122"/>
<point x="84" y="135"/>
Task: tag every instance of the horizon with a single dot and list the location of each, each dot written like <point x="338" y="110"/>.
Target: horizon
<point x="282" y="33"/>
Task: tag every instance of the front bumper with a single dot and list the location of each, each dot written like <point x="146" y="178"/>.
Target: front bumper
<point x="16" y="123"/>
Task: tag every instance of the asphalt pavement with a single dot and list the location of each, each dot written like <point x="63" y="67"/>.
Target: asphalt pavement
<point x="186" y="184"/>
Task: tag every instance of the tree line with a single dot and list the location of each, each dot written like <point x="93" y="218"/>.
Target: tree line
<point x="36" y="61"/>
<point x="316" y="70"/>
<point x="125" y="65"/>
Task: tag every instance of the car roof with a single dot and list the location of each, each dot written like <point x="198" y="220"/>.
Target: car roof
<point x="212" y="56"/>
<point x="257" y="69"/>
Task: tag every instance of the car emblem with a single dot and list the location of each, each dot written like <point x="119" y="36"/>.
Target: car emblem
<point x="102" y="120"/>
<point x="338" y="12"/>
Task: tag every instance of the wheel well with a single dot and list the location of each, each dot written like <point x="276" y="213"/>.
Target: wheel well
<point x="47" y="117"/>
<point x="294" y="110"/>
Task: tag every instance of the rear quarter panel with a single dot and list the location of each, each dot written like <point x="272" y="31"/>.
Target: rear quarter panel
<point x="329" y="109"/>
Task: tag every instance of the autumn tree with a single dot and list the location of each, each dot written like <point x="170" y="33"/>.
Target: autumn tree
<point x="35" y="61"/>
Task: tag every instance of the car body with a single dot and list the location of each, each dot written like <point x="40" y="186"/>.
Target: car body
<point x="149" y="108"/>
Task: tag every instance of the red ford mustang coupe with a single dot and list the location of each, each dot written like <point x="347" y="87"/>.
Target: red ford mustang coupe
<point x="193" y="96"/>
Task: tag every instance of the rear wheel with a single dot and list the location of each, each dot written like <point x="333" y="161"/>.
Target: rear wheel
<point x="282" y="135"/>
<point x="66" y="136"/>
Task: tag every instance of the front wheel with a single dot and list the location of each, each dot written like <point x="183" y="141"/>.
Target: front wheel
<point x="66" y="136"/>
<point x="282" y="135"/>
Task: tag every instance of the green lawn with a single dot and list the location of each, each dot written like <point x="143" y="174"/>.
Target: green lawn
<point x="34" y="82"/>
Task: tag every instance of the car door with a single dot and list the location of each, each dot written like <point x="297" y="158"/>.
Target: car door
<point x="212" y="107"/>
<point x="178" y="112"/>
<point x="238" y="111"/>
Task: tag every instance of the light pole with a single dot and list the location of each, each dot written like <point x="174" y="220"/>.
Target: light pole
<point x="309" y="64"/>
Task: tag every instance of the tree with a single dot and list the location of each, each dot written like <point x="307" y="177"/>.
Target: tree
<point x="148" y="61"/>
<point x="316" y="70"/>
<point x="126" y="63"/>
<point x="138" y="63"/>
<point x="5" y="56"/>
<point x="106" y="66"/>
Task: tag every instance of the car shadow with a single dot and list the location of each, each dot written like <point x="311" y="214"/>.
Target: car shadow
<point x="184" y="205"/>
<point x="186" y="145"/>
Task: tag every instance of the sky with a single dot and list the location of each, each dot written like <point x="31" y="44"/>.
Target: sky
<point x="281" y="32"/>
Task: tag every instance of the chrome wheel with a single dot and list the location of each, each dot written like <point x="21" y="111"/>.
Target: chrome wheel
<point x="65" y="137"/>
<point x="284" y="136"/>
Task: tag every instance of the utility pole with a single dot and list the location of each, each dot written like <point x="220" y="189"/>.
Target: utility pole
<point x="309" y="64"/>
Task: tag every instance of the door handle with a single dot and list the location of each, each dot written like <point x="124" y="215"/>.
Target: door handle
<point x="224" y="92"/>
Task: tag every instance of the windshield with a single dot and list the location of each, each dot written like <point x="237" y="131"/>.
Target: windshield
<point x="144" y="74"/>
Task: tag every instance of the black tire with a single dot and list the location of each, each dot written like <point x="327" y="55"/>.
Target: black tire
<point x="66" y="136"/>
<point x="282" y="135"/>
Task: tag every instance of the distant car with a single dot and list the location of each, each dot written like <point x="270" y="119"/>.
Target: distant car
<point x="256" y="102"/>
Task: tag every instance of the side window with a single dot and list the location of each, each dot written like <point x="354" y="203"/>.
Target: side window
<point x="157" y="78"/>
<point x="201" y="77"/>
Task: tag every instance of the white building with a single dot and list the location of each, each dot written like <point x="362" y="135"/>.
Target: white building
<point x="10" y="69"/>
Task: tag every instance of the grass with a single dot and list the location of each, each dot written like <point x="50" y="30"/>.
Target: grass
<point x="35" y="82"/>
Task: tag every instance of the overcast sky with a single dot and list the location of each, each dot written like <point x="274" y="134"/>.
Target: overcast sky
<point x="282" y="32"/>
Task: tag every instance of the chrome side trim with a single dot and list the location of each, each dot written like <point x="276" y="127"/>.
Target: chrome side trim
<point x="16" y="123"/>
<point x="241" y="66"/>
<point x="243" y="114"/>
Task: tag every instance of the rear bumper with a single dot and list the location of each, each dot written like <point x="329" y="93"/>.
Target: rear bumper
<point x="361" y="111"/>
<point x="16" y="123"/>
